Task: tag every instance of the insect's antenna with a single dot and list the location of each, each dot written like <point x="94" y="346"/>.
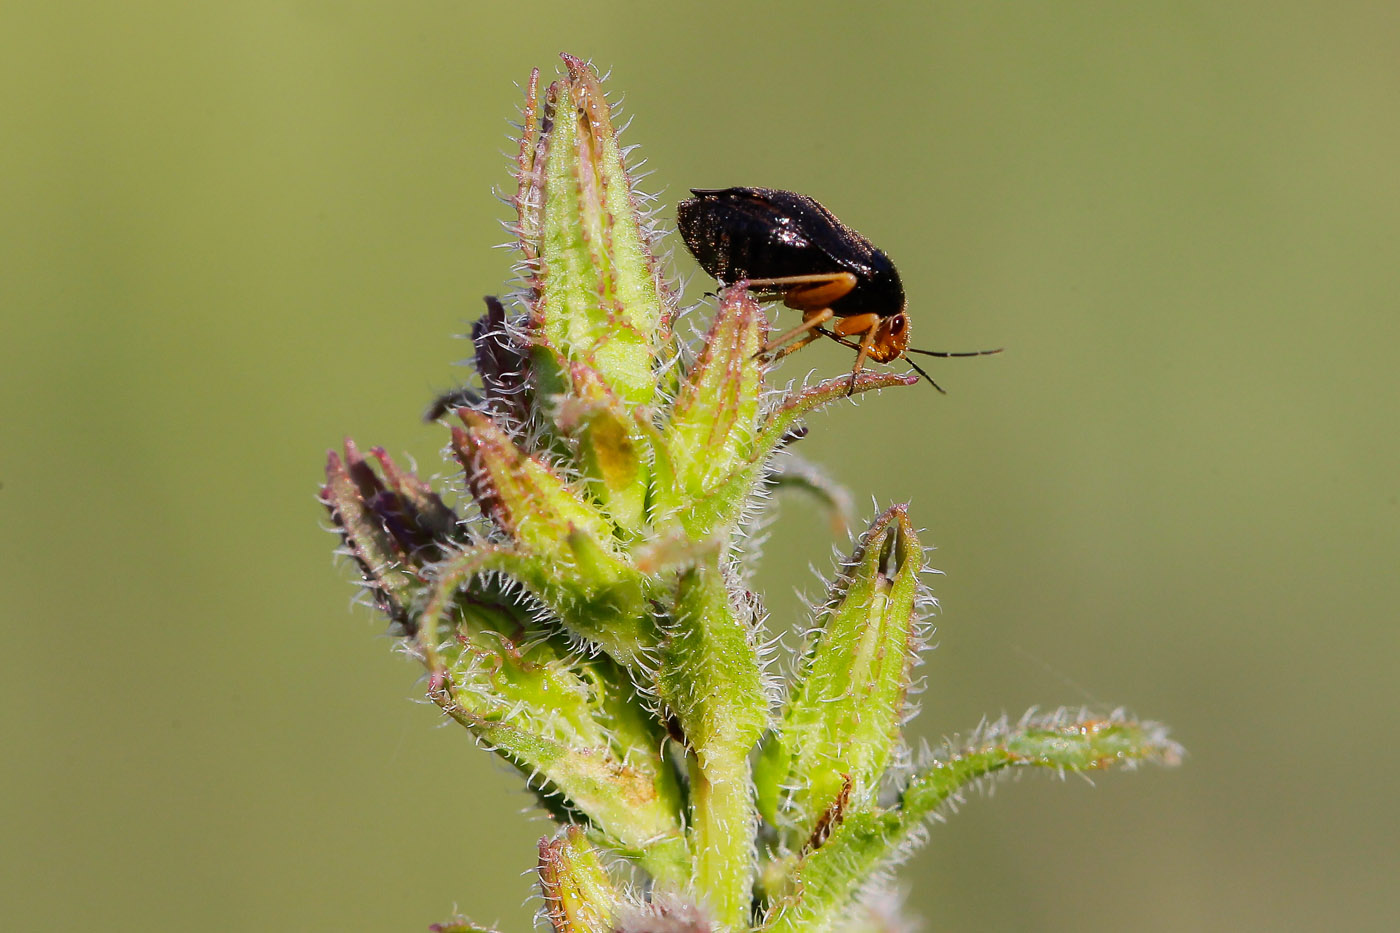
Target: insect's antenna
<point x="917" y="368"/>
<point x="946" y="355"/>
<point x="920" y="371"/>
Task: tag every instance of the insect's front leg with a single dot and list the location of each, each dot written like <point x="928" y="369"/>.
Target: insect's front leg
<point x="866" y="325"/>
<point x="810" y="320"/>
<point x="796" y="345"/>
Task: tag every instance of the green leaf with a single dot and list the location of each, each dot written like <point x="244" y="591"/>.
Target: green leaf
<point x="575" y="726"/>
<point x="827" y="878"/>
<point x="1062" y="741"/>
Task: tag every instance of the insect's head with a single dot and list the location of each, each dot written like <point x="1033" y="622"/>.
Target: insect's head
<point x="891" y="338"/>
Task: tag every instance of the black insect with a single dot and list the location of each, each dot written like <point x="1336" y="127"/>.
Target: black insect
<point x="789" y="247"/>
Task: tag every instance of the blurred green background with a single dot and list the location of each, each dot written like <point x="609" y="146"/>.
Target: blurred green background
<point x="232" y="233"/>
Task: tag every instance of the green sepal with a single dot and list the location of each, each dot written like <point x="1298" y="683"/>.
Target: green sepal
<point x="579" y="897"/>
<point x="712" y="422"/>
<point x="565" y="551"/>
<point x="612" y="449"/>
<point x="521" y="494"/>
<point x="529" y="186"/>
<point x="709" y="675"/>
<point x="574" y="725"/>
<point x="392" y="523"/>
<point x="597" y="298"/>
<point x="721" y="508"/>
<point x="616" y="616"/>
<point x="383" y="561"/>
<point x="842" y="722"/>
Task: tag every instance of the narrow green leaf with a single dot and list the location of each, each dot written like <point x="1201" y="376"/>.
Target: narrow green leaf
<point x="1062" y="741"/>
<point x="782" y="419"/>
<point x="721" y="508"/>
<point x="827" y="878"/>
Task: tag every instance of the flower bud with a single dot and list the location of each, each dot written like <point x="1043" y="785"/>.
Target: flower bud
<point x="391" y="522"/>
<point x="597" y="297"/>
<point x="713" y="420"/>
<point x="578" y="895"/>
<point x="842" y="723"/>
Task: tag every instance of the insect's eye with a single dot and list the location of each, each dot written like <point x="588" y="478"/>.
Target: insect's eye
<point x="897" y="325"/>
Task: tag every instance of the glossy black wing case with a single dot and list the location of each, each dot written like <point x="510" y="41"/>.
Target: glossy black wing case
<point x="737" y="233"/>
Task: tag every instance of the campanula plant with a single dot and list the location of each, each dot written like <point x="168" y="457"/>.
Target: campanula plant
<point x="582" y="610"/>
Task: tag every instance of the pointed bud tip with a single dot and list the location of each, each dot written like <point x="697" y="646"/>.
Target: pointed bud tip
<point x="893" y="538"/>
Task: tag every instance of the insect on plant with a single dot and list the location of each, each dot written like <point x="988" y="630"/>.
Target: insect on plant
<point x="583" y="608"/>
<point x="790" y="248"/>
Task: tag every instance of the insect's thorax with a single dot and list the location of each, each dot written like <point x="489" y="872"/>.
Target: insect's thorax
<point x="875" y="293"/>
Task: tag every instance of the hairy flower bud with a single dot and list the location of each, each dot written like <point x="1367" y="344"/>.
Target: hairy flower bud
<point x="842" y="723"/>
<point x="578" y="895"/>
<point x="597" y="297"/>
<point x="392" y="524"/>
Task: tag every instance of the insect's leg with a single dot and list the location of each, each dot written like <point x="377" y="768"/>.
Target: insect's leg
<point x="815" y="278"/>
<point x="865" y="342"/>
<point x="810" y="320"/>
<point x="841" y="340"/>
<point x="807" y="292"/>
<point x="857" y="325"/>
<point x="795" y="346"/>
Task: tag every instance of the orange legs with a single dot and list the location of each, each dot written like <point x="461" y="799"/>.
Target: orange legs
<point x="807" y="292"/>
<point x="865" y="325"/>
<point x="810" y="320"/>
<point x="813" y="295"/>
